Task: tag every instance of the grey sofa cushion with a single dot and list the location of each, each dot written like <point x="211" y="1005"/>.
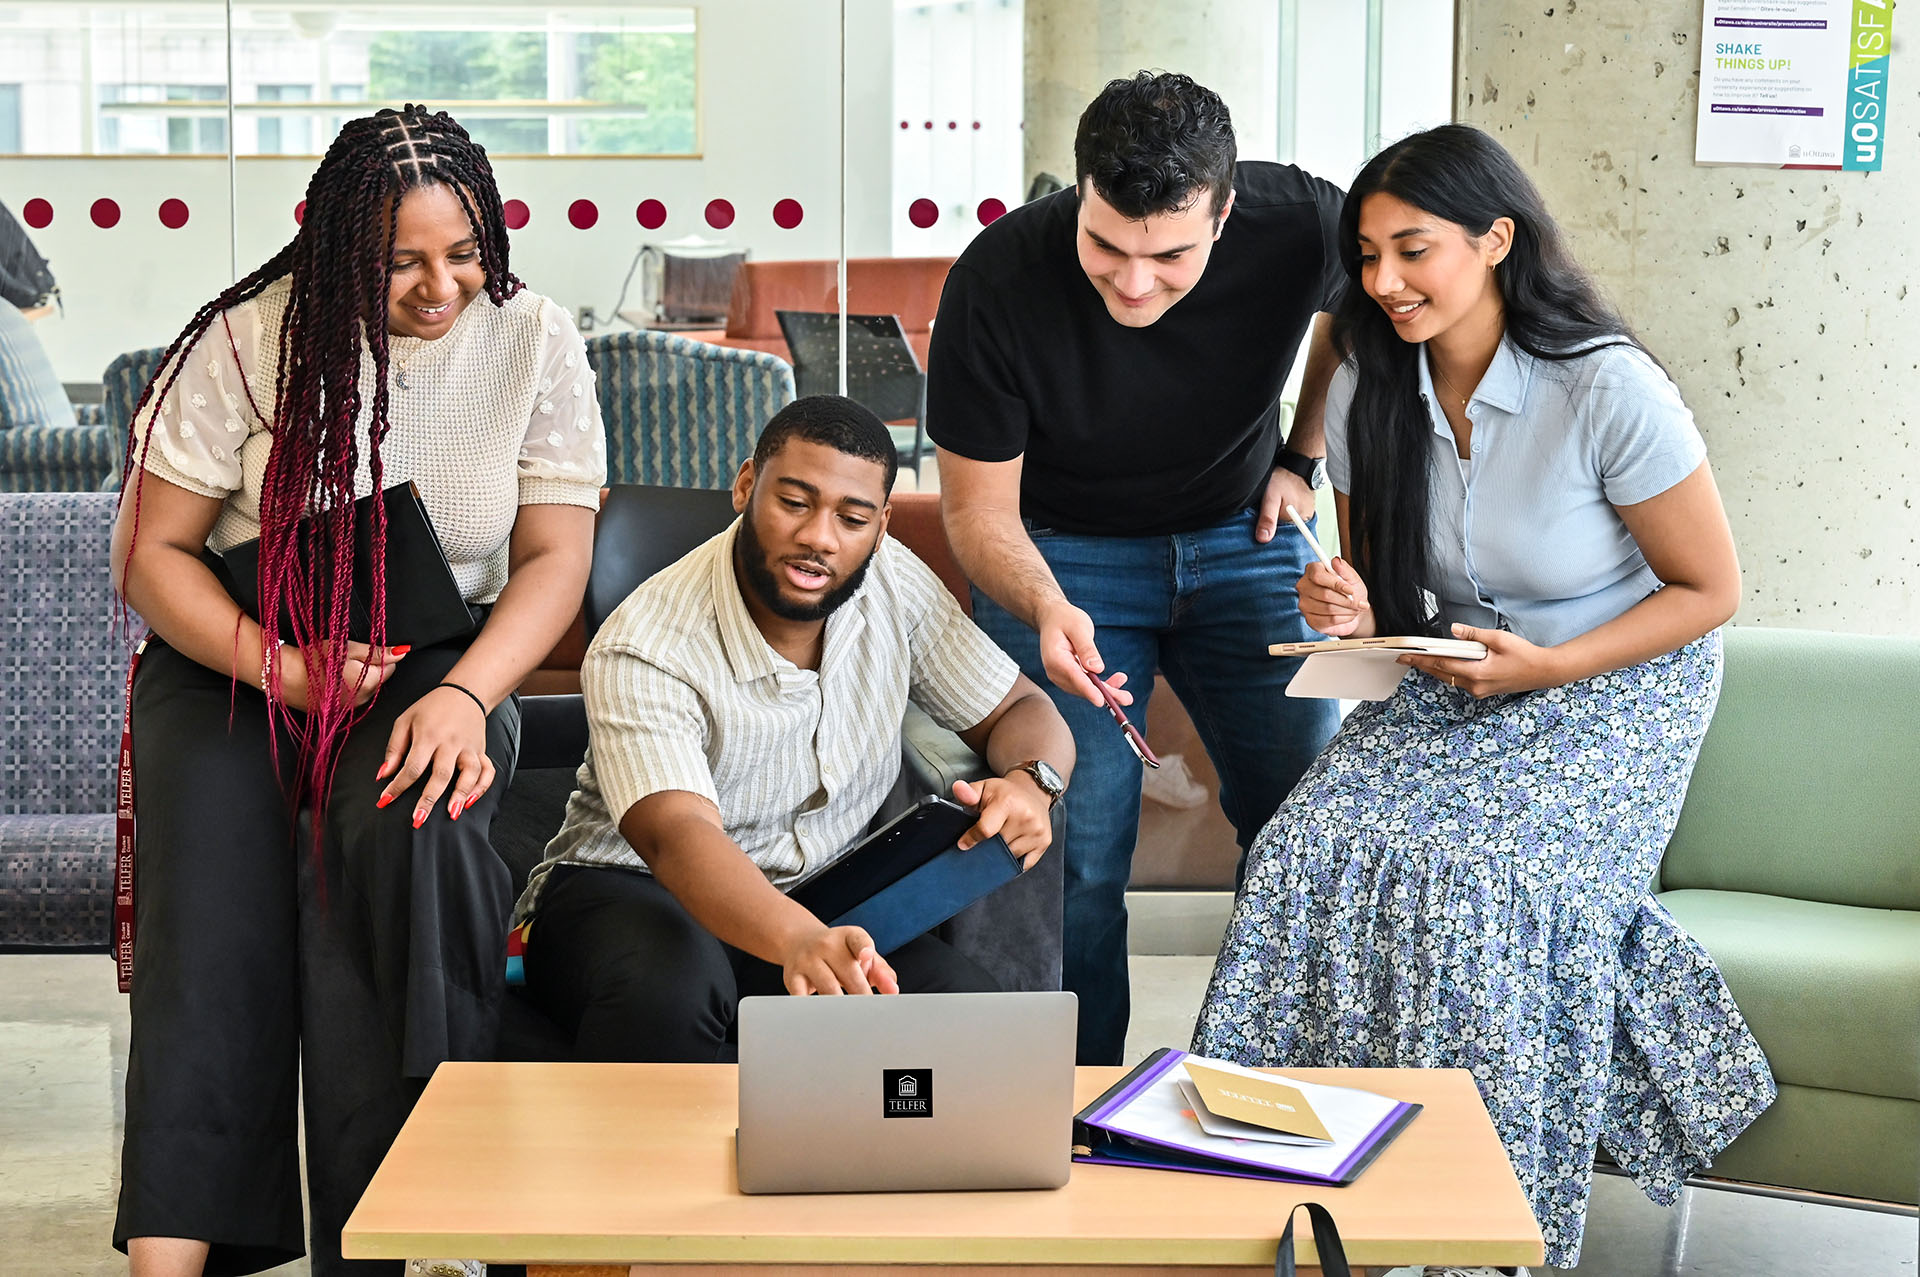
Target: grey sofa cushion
<point x="1015" y="933"/>
<point x="63" y="658"/>
<point x="56" y="880"/>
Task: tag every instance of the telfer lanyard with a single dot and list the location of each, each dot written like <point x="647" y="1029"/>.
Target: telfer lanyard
<point x="123" y="837"/>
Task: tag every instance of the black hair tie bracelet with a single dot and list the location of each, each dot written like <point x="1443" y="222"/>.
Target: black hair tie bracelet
<point x="469" y="695"/>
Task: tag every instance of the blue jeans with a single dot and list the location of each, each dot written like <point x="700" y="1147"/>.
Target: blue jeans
<point x="1201" y="608"/>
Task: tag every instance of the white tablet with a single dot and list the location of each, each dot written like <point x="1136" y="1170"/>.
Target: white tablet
<point x="1365" y="669"/>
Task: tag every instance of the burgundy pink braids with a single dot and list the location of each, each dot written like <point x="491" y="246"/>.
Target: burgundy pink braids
<point x="340" y="265"/>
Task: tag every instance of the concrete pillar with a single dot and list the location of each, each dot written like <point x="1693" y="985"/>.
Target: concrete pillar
<point x="1073" y="47"/>
<point x="1783" y="302"/>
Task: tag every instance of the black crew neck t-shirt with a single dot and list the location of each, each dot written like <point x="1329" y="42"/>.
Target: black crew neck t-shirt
<point x="1132" y="431"/>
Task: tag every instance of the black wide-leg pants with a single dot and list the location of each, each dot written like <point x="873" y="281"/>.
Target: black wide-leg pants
<point x="616" y="960"/>
<point x="254" y="968"/>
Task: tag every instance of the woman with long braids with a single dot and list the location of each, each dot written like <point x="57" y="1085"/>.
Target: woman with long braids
<point x="318" y="908"/>
<point x="1462" y="878"/>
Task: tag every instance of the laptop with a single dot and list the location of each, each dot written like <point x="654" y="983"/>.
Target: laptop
<point x="906" y="1092"/>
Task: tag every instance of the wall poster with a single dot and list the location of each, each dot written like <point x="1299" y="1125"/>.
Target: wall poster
<point x="1794" y="83"/>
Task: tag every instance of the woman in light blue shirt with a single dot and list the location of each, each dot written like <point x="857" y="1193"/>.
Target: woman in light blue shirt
<point x="1461" y="879"/>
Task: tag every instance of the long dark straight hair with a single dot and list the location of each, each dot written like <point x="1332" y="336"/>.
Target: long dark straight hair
<point x="1553" y="311"/>
<point x="341" y="267"/>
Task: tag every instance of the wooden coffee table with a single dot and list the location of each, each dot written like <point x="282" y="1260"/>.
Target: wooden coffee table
<point x="609" y="1168"/>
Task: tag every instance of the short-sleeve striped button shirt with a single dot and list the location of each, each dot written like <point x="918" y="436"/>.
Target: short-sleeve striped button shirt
<point x="683" y="692"/>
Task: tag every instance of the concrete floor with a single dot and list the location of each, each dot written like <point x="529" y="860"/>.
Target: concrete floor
<point x="63" y="1055"/>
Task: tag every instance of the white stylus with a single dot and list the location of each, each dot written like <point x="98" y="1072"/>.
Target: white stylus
<point x="1318" y="550"/>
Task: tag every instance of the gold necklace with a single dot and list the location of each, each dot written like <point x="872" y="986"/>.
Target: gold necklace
<point x="1451" y="388"/>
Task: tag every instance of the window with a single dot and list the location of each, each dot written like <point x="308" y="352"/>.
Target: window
<point x="152" y="119"/>
<point x="523" y="78"/>
<point x="284" y="135"/>
<point x="9" y="119"/>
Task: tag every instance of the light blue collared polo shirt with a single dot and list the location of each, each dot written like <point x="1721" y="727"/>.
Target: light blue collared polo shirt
<point x="1525" y="533"/>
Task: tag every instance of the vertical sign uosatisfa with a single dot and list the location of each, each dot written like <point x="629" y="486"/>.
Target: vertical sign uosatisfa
<point x="1869" y="56"/>
<point x="1799" y="83"/>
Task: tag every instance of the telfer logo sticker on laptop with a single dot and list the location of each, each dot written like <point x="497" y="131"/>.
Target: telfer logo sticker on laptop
<point x="906" y="1092"/>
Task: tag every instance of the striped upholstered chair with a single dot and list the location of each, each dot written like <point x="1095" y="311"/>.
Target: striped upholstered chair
<point x="682" y="413"/>
<point x="63" y="668"/>
<point x="122" y="383"/>
<point x="45" y="444"/>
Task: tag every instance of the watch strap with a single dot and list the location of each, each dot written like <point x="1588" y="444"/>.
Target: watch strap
<point x="1299" y="462"/>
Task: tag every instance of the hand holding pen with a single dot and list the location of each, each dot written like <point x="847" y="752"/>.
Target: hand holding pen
<point x="1073" y="663"/>
<point x="1333" y="598"/>
<point x="1135" y="740"/>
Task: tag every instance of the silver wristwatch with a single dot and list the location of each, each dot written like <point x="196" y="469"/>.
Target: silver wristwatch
<point x="1044" y="776"/>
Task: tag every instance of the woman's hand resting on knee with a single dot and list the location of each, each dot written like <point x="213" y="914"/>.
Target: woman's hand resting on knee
<point x="442" y="736"/>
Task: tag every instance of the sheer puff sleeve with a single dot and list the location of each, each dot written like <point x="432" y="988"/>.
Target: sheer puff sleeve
<point x="563" y="460"/>
<point x="192" y="436"/>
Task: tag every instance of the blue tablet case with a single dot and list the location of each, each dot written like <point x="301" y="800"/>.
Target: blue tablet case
<point x="908" y="877"/>
<point x="928" y="896"/>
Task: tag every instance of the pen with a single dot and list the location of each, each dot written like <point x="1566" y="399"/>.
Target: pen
<point x="1135" y="741"/>
<point x="1320" y="552"/>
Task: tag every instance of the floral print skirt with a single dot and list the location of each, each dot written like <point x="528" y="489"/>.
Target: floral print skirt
<point x="1467" y="883"/>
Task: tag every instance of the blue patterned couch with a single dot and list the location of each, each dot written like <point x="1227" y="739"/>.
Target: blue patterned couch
<point x="679" y="412"/>
<point x="63" y="663"/>
<point x="84" y="456"/>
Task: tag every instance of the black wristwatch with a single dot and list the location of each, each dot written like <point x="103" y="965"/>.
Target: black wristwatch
<point x="1312" y="470"/>
<point x="1044" y="776"/>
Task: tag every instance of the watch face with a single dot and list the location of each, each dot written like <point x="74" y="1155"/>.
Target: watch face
<point x="1049" y="779"/>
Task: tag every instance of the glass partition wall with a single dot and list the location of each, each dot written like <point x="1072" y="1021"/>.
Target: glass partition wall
<point x="699" y="168"/>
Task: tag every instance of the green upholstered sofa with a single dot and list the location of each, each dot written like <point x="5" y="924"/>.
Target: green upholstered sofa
<point x="1796" y="863"/>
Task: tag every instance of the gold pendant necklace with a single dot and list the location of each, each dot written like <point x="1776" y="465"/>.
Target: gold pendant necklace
<point x="1451" y="388"/>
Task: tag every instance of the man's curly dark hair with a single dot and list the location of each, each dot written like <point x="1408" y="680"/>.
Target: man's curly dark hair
<point x="1152" y="143"/>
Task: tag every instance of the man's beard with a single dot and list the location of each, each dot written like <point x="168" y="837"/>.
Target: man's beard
<point x="752" y="557"/>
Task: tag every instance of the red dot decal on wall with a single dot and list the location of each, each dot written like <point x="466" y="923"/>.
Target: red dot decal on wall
<point x="299" y="212"/>
<point x="719" y="215"/>
<point x="923" y="213"/>
<point x="651" y="214"/>
<point x="787" y="214"/>
<point x="173" y="214"/>
<point x="105" y="214"/>
<point x="515" y="213"/>
<point x="583" y="214"/>
<point x="37" y="213"/>
<point x="927" y="125"/>
<point x="976" y="126"/>
<point x="991" y="210"/>
<point x="903" y="124"/>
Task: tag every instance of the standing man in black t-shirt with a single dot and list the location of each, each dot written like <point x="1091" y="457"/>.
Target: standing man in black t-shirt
<point x="1104" y="387"/>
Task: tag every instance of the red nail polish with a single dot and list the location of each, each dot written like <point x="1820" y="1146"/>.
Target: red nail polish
<point x="419" y="819"/>
<point x="384" y="800"/>
<point x="458" y="807"/>
<point x="401" y="649"/>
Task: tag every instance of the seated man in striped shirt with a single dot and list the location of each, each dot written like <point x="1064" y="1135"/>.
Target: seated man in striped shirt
<point x="745" y="707"/>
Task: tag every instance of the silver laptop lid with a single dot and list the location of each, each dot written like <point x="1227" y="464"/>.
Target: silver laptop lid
<point x="931" y="1091"/>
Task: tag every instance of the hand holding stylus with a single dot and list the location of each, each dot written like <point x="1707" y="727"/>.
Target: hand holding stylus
<point x="1333" y="598"/>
